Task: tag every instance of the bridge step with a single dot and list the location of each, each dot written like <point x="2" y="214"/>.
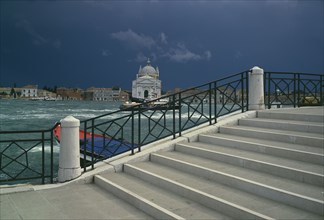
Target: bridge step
<point x="293" y="137"/>
<point x="270" y="167"/>
<point x="280" y="124"/>
<point x="295" y="170"/>
<point x="297" y="114"/>
<point x="154" y="200"/>
<point x="237" y="192"/>
<point x="188" y="186"/>
<point x="302" y="153"/>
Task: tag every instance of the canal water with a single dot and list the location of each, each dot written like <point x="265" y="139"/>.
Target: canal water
<point x="37" y="115"/>
<point x="25" y="115"/>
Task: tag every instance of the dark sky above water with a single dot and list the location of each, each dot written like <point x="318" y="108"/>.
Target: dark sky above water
<point x="102" y="43"/>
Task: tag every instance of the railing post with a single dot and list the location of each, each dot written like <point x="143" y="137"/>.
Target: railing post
<point x="139" y="131"/>
<point x="132" y="132"/>
<point x="180" y="101"/>
<point x="242" y="92"/>
<point x="215" y="101"/>
<point x="92" y="144"/>
<point x="85" y="147"/>
<point x="52" y="156"/>
<point x="295" y="98"/>
<point x="173" y="119"/>
<point x="256" y="89"/>
<point x="321" y="90"/>
<point x="298" y="88"/>
<point x="69" y="160"/>
<point x="210" y="103"/>
<point x="43" y="158"/>
<point x="269" y="89"/>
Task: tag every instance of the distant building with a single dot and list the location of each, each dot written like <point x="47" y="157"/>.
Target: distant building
<point x="70" y="93"/>
<point x="147" y="84"/>
<point x="124" y="96"/>
<point x="105" y="94"/>
<point x="29" y="91"/>
<point x="45" y="93"/>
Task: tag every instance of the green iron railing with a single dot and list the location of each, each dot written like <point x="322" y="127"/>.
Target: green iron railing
<point x="27" y="156"/>
<point x="146" y="123"/>
<point x="112" y="134"/>
<point x="293" y="89"/>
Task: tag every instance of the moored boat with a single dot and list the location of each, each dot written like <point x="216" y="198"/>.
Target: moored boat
<point x="97" y="145"/>
<point x="156" y="105"/>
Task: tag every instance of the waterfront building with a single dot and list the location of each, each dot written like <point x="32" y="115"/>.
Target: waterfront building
<point x="105" y="94"/>
<point x="147" y="84"/>
<point x="29" y="91"/>
<point x="45" y="93"/>
<point x="124" y="96"/>
<point x="70" y="93"/>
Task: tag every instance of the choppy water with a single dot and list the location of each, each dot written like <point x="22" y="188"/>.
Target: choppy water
<point x="35" y="115"/>
<point x="23" y="115"/>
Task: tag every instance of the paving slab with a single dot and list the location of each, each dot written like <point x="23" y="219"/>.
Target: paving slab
<point x="74" y="201"/>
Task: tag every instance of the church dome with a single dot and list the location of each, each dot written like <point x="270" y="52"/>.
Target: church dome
<point x="149" y="70"/>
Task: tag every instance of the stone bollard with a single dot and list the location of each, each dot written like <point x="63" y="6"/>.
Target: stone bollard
<point x="69" y="160"/>
<point x="256" y="89"/>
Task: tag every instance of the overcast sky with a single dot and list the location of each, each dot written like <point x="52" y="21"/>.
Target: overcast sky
<point x="103" y="43"/>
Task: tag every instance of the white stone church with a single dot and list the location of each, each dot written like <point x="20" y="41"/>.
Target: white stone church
<point x="147" y="84"/>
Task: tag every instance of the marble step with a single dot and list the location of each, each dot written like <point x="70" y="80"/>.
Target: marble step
<point x="210" y="193"/>
<point x="203" y="197"/>
<point x="293" y="137"/>
<point x="295" y="170"/>
<point x="297" y="114"/>
<point x="153" y="200"/>
<point x="282" y="124"/>
<point x="302" y="153"/>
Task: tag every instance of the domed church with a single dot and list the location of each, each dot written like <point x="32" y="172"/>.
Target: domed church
<point x="147" y="84"/>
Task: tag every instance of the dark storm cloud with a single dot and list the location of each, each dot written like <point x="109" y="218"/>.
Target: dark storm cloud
<point x="36" y="37"/>
<point x="133" y="39"/>
<point x="102" y="43"/>
<point x="159" y="47"/>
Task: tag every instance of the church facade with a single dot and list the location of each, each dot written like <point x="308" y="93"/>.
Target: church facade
<point x="147" y="84"/>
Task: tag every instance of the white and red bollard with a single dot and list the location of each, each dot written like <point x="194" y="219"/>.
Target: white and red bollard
<point x="69" y="160"/>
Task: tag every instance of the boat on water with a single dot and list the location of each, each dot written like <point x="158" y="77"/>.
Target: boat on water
<point x="127" y="105"/>
<point x="100" y="146"/>
<point x="156" y="105"/>
<point x="43" y="99"/>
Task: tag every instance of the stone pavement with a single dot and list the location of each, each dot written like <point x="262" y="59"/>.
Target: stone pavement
<point x="73" y="201"/>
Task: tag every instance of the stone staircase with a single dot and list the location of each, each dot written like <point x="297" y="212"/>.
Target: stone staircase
<point x="268" y="167"/>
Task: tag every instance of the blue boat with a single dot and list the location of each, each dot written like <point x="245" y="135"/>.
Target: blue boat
<point x="98" y="146"/>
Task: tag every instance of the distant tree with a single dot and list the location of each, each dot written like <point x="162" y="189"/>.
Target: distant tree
<point x="115" y="88"/>
<point x="12" y="92"/>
